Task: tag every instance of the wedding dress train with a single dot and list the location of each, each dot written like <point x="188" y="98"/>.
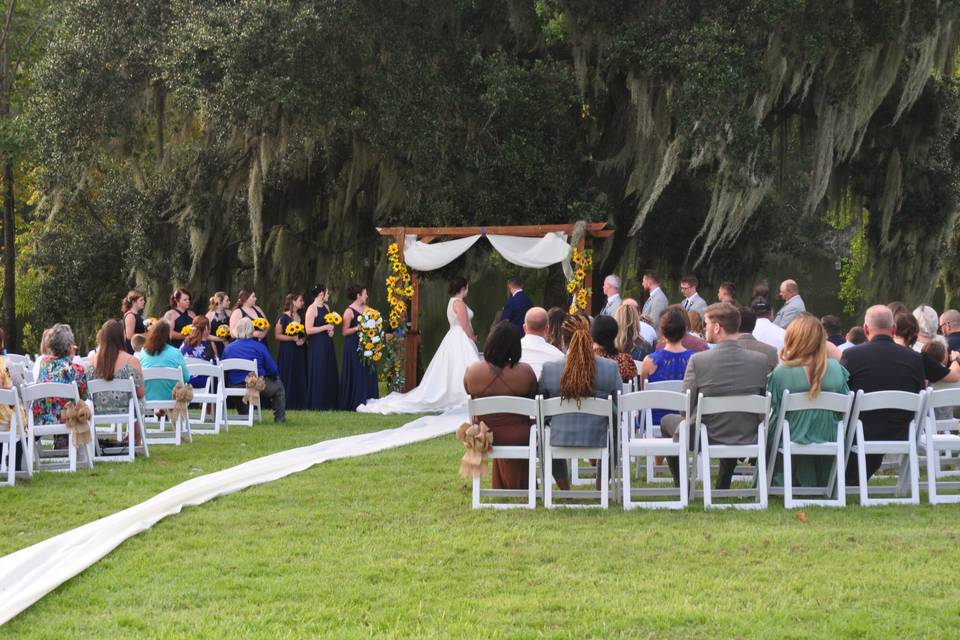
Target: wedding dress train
<point x="441" y="388"/>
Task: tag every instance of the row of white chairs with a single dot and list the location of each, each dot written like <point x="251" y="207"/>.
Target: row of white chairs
<point x="208" y="417"/>
<point x="638" y="440"/>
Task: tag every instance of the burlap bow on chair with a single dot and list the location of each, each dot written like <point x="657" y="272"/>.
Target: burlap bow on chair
<point x="182" y="396"/>
<point x="76" y="416"/>
<point x="254" y="384"/>
<point x="477" y="439"/>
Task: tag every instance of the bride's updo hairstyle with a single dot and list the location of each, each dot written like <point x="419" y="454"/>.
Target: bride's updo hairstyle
<point x="502" y="348"/>
<point x="579" y="371"/>
<point x="456" y="286"/>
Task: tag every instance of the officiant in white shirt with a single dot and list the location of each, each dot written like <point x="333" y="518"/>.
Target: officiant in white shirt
<point x="534" y="348"/>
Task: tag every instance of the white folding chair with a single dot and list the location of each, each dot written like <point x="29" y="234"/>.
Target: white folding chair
<point x="527" y="407"/>
<point x="591" y="406"/>
<point x="633" y="445"/>
<point x="782" y="444"/>
<point x="912" y="403"/>
<point x="247" y="366"/>
<point x="939" y="438"/>
<point x="212" y="394"/>
<point x="704" y="450"/>
<point x="118" y="423"/>
<point x="17" y="358"/>
<point x="181" y="427"/>
<point x="55" y="460"/>
<point x="15" y="434"/>
<point x="191" y="360"/>
<point x="652" y="430"/>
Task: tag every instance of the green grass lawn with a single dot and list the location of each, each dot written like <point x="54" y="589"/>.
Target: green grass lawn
<point x="387" y="545"/>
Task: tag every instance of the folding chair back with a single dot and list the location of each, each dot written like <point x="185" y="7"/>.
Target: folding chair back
<point x="857" y="444"/>
<point x="590" y="406"/>
<point x="654" y="473"/>
<point x="16" y="433"/>
<point x="57" y="460"/>
<point x="527" y="407"/>
<point x="180" y="427"/>
<point x="119" y="423"/>
<point x="784" y="445"/>
<point x="704" y="450"/>
<point x="212" y="394"/>
<point x="248" y="366"/>
<point x="939" y="439"/>
<point x="644" y="445"/>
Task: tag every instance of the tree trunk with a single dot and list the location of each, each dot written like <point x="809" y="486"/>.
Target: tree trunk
<point x="9" y="260"/>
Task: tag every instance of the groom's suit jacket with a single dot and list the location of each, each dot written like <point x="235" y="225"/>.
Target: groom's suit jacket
<point x="516" y="308"/>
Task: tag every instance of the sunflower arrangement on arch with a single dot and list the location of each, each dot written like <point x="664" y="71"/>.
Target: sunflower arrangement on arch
<point x="582" y="264"/>
<point x="399" y="287"/>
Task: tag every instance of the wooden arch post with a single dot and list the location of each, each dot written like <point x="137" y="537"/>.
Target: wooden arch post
<point x="429" y="234"/>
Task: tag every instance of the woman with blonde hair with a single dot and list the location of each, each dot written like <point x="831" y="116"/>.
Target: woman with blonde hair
<point x="628" y="338"/>
<point x="133" y="324"/>
<point x="805" y="368"/>
<point x="218" y="314"/>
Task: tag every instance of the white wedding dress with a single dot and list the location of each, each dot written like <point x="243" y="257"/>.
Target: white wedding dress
<point x="441" y="388"/>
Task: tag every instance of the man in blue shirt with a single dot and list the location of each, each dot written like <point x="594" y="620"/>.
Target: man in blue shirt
<point x="246" y="348"/>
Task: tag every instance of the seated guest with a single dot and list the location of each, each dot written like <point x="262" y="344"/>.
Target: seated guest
<point x="629" y="339"/>
<point x="854" y="337"/>
<point x="765" y="331"/>
<point x="728" y="370"/>
<point x="501" y="373"/>
<point x="807" y="369"/>
<point x="534" y="348"/>
<point x="197" y="345"/>
<point x="604" y="333"/>
<point x="695" y="322"/>
<point x="112" y="362"/>
<point x="727" y="293"/>
<point x="58" y="366"/>
<point x="670" y="361"/>
<point x="159" y="353"/>
<point x="906" y="336"/>
<point x="897" y="307"/>
<point x="927" y="322"/>
<point x="246" y="347"/>
<point x="647" y="331"/>
<point x="581" y="374"/>
<point x="831" y="324"/>
<point x="950" y="328"/>
<point x="882" y="365"/>
<point x="15" y="374"/>
<point x="690" y="341"/>
<point x="555" y="319"/>
<point x="748" y="321"/>
<point x="937" y="349"/>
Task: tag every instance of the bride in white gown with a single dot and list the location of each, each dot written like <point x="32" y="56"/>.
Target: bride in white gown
<point x="441" y="388"/>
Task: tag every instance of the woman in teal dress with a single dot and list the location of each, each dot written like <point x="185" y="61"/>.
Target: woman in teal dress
<point x="805" y="368"/>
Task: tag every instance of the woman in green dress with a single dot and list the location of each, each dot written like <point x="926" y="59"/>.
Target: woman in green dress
<point x="805" y="368"/>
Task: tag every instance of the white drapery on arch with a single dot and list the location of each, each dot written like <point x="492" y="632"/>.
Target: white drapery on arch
<point x="534" y="253"/>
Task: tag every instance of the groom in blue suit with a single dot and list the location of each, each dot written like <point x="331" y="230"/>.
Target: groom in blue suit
<point x="517" y="305"/>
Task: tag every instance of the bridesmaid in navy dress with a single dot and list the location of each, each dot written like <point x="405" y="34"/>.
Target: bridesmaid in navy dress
<point x="293" y="357"/>
<point x="132" y="309"/>
<point x="322" y="382"/>
<point x="179" y="315"/>
<point x="247" y="308"/>
<point x="358" y="383"/>
<point x="218" y="315"/>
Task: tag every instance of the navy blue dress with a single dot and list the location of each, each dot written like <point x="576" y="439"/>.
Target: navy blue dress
<point x="322" y="382"/>
<point x="293" y="368"/>
<point x="179" y="324"/>
<point x="214" y="325"/>
<point x="358" y="383"/>
<point x="138" y="327"/>
<point x="263" y="340"/>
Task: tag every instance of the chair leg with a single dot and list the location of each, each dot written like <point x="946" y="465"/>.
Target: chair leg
<point x="476" y="492"/>
<point x="605" y="480"/>
<point x="862" y="467"/>
<point x="914" y="474"/>
<point x="762" y="466"/>
<point x="841" y="469"/>
<point x="932" y="457"/>
<point x="547" y="471"/>
<point x="705" y="468"/>
<point x="684" y="475"/>
<point x="72" y="452"/>
<point x="787" y="467"/>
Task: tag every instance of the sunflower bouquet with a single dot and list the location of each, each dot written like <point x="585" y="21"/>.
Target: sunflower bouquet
<point x="333" y="318"/>
<point x="223" y="332"/>
<point x="371" y="337"/>
<point x="580" y="296"/>
<point x="187" y="330"/>
<point x="261" y="324"/>
<point x="149" y="322"/>
<point x="295" y="329"/>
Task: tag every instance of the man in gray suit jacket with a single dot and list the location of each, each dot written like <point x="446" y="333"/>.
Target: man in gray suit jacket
<point x="657" y="300"/>
<point x="792" y="304"/>
<point x="727" y="370"/>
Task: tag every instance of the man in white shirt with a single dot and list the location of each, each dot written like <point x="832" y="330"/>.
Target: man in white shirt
<point x="611" y="289"/>
<point x="534" y="349"/>
<point x="765" y="331"/>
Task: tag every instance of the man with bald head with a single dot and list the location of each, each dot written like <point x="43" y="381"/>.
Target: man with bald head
<point x="792" y="304"/>
<point x="950" y="328"/>
<point x="534" y="348"/>
<point x="880" y="364"/>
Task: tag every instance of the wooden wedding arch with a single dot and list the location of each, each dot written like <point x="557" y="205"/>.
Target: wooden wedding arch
<point x="427" y="235"/>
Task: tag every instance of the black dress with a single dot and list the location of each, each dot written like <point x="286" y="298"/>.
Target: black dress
<point x="293" y="368"/>
<point x="178" y="326"/>
<point x="138" y="327"/>
<point x="358" y="383"/>
<point x="215" y="324"/>
<point x="259" y="315"/>
<point x="322" y="382"/>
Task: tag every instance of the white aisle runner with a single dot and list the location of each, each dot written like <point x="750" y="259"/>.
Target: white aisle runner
<point x="29" y="574"/>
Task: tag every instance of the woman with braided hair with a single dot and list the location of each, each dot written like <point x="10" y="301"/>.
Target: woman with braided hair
<point x="581" y="374"/>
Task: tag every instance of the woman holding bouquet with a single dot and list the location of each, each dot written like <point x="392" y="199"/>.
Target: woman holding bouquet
<point x="247" y="308"/>
<point x="291" y="336"/>
<point x="133" y="325"/>
<point x="218" y="315"/>
<point x="179" y="315"/>
<point x="322" y="382"/>
<point x="358" y="382"/>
